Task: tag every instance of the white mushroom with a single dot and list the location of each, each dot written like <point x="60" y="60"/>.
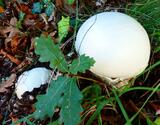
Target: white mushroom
<point x="117" y="42"/>
<point x="31" y="79"/>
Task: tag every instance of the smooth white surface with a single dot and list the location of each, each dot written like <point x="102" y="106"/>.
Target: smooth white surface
<point x="117" y="42"/>
<point x="31" y="79"/>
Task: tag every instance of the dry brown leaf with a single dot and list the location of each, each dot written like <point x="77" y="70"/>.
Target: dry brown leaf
<point x="30" y="18"/>
<point x="25" y="9"/>
<point x="13" y="21"/>
<point x="8" y="83"/>
<point x="26" y="62"/>
<point x="14" y="119"/>
<point x="59" y="3"/>
<point x="11" y="30"/>
<point x="63" y="5"/>
<point x="12" y="58"/>
<point x="18" y="44"/>
<point x="1" y="9"/>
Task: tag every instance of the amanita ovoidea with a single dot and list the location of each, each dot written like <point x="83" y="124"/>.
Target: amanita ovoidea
<point x="31" y="79"/>
<point x="118" y="43"/>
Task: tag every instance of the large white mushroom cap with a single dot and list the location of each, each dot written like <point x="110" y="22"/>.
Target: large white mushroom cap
<point x="117" y="42"/>
<point x="31" y="79"/>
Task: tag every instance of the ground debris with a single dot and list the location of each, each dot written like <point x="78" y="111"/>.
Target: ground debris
<point x="12" y="58"/>
<point x="17" y="47"/>
<point x="8" y="83"/>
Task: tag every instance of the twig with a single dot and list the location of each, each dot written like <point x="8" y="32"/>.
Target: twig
<point x="90" y="79"/>
<point x="136" y="109"/>
<point x="12" y="58"/>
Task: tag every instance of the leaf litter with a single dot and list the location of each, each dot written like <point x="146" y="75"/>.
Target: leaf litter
<point x="17" y="54"/>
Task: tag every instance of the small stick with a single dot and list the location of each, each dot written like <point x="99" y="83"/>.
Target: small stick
<point x="136" y="109"/>
<point x="12" y="58"/>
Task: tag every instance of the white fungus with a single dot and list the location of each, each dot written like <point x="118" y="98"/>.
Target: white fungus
<point x="117" y="42"/>
<point x="31" y="79"/>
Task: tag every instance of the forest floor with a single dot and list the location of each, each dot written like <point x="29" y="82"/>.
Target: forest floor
<point x="21" y="21"/>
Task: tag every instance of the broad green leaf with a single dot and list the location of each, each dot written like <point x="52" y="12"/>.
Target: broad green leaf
<point x="81" y="64"/>
<point x="71" y="107"/>
<point x="62" y="93"/>
<point x="71" y="1"/>
<point x="50" y="52"/>
<point x="54" y="123"/>
<point x="47" y="103"/>
<point x="63" y="26"/>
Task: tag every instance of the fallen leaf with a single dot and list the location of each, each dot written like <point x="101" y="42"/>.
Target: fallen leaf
<point x="16" y="41"/>
<point x="14" y="119"/>
<point x="8" y="83"/>
<point x="18" y="44"/>
<point x="64" y="6"/>
<point x="25" y="9"/>
<point x="26" y="62"/>
<point x="10" y="31"/>
<point x="1" y="9"/>
<point x="12" y="58"/>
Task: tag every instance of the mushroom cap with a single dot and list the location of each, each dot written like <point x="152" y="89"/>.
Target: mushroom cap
<point x="31" y="79"/>
<point x="118" y="43"/>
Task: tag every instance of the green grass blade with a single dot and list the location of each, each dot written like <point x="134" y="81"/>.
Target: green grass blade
<point x="97" y="112"/>
<point x="139" y="88"/>
<point x="100" y="120"/>
<point x="135" y="115"/>
<point x="121" y="106"/>
<point x="150" y="68"/>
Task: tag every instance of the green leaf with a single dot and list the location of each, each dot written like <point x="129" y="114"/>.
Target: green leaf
<point x="21" y="18"/>
<point x="71" y="107"/>
<point x="81" y="64"/>
<point x="1" y="3"/>
<point x="149" y="122"/>
<point x="62" y="93"/>
<point x="46" y="1"/>
<point x="47" y="103"/>
<point x="63" y="26"/>
<point x="50" y="52"/>
<point x="37" y="7"/>
<point x="54" y="123"/>
<point x="97" y="112"/>
<point x="49" y="9"/>
<point x="121" y="106"/>
<point x="157" y="121"/>
<point x="70" y="2"/>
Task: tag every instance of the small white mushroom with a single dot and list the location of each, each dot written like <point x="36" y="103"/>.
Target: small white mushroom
<point x="118" y="43"/>
<point x="31" y="79"/>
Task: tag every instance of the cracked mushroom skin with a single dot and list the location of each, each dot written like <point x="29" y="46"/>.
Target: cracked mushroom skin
<point x="31" y="79"/>
<point x="118" y="43"/>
